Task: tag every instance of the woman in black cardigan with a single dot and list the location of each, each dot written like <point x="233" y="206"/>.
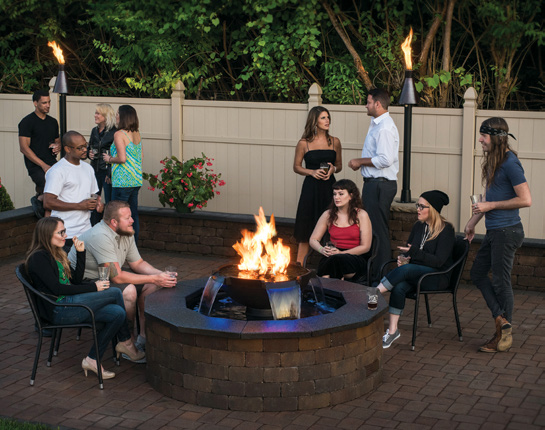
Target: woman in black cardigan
<point x="429" y="249"/>
<point x="50" y="272"/>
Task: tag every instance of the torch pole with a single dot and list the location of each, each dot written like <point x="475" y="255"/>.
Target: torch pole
<point x="62" y="118"/>
<point x="407" y="131"/>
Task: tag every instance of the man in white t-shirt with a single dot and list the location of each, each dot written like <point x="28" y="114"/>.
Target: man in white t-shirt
<point x="71" y="187"/>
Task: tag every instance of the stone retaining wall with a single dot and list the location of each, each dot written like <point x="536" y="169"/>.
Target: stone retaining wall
<point x="215" y="233"/>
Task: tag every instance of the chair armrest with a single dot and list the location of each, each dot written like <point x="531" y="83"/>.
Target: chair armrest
<point x="383" y="267"/>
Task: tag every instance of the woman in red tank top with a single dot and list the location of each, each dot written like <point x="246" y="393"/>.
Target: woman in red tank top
<point x="350" y="234"/>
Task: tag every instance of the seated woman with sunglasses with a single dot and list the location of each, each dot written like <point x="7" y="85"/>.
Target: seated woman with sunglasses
<point x="49" y="270"/>
<point x="429" y="249"/>
<point x="350" y="231"/>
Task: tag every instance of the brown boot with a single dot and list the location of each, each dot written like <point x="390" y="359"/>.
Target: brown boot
<point x="503" y="327"/>
<point x="491" y="345"/>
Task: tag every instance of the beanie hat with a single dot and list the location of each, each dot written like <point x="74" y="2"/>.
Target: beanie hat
<point x="436" y="198"/>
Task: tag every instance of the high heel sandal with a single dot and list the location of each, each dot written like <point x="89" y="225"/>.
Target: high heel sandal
<point x="121" y="349"/>
<point x="85" y="365"/>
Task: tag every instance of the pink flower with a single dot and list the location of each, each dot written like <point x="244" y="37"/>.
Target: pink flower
<point x="222" y="183"/>
<point x="171" y="200"/>
<point x="209" y="163"/>
<point x="190" y="174"/>
<point x="185" y="188"/>
<point x="199" y="206"/>
<point x="217" y="192"/>
<point x="190" y="205"/>
<point x="162" y="161"/>
<point x="165" y="170"/>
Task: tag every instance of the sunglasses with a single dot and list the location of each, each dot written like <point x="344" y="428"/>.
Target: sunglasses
<point x="61" y="233"/>
<point x="420" y="207"/>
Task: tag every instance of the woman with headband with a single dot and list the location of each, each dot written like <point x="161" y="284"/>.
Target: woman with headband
<point x="506" y="191"/>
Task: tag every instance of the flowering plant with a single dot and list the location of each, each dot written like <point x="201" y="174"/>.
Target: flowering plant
<point x="185" y="185"/>
<point x="5" y="201"/>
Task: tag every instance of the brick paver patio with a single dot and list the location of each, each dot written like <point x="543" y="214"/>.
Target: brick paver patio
<point x="444" y="384"/>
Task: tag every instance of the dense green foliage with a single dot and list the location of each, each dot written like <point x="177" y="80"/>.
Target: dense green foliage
<point x="274" y="50"/>
<point x="5" y="200"/>
<point x="10" y="424"/>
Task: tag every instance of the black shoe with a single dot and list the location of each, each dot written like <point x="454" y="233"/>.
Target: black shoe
<point x="38" y="207"/>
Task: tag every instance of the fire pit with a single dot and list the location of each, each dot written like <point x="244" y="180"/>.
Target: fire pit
<point x="264" y="364"/>
<point x="273" y="365"/>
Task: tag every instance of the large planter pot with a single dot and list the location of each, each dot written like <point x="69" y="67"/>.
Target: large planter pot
<point x="183" y="209"/>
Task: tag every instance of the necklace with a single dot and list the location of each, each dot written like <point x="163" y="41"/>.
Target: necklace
<point x="425" y="236"/>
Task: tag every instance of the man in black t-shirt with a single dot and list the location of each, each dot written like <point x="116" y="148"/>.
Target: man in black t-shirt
<point x="39" y="142"/>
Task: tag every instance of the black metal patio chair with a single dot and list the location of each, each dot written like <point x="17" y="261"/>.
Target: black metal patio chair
<point x="34" y="297"/>
<point x="459" y="257"/>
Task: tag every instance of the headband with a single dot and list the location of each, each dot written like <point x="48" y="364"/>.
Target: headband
<point x="494" y="131"/>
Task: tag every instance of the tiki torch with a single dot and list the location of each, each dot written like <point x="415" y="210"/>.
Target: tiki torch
<point x="61" y="86"/>
<point x="408" y="98"/>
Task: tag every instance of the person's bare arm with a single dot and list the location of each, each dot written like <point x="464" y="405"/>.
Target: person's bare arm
<point x="120" y="142"/>
<point x="356" y="163"/>
<point x="522" y="200"/>
<point x="145" y="274"/>
<point x="52" y="202"/>
<point x="24" y="147"/>
<point x="298" y="163"/>
<point x="339" y="151"/>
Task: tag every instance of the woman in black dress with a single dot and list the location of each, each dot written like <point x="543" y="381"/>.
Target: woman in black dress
<point x="316" y="147"/>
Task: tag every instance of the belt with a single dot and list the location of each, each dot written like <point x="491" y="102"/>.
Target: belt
<point x="377" y="180"/>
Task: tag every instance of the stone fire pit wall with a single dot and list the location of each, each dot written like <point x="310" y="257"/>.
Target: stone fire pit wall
<point x="263" y="365"/>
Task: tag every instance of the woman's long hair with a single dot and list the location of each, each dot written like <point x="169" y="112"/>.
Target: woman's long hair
<point x="107" y="111"/>
<point x="493" y="159"/>
<point x="312" y="122"/>
<point x="128" y="119"/>
<point x="41" y="240"/>
<point x="436" y="222"/>
<point x="354" y="205"/>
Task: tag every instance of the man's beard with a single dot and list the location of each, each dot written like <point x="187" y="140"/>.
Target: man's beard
<point x="125" y="232"/>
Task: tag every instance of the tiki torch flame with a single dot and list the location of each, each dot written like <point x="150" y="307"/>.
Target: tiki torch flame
<point x="57" y="51"/>
<point x="406" y="48"/>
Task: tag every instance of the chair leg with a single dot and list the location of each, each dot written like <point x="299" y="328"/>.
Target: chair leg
<point x="36" y="358"/>
<point x="428" y="310"/>
<point x="114" y="342"/>
<point x="52" y="347"/>
<point x="458" y="326"/>
<point x="99" y="366"/>
<point x="415" y="322"/>
<point x="57" y="344"/>
<point x="78" y="336"/>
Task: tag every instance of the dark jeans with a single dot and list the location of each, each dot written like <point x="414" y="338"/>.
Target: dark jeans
<point x="496" y="254"/>
<point x="401" y="281"/>
<point x="129" y="195"/>
<point x="377" y="198"/>
<point x="109" y="310"/>
<point x="100" y="175"/>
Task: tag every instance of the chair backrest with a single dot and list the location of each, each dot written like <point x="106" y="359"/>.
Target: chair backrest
<point x="459" y="257"/>
<point x="34" y="297"/>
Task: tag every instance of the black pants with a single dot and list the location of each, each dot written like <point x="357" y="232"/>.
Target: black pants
<point x="377" y="198"/>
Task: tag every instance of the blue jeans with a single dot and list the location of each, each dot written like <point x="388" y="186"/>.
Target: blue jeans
<point x="129" y="195"/>
<point x="496" y="254"/>
<point x="401" y="281"/>
<point x="109" y="313"/>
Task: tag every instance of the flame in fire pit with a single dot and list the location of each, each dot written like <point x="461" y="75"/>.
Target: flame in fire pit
<point x="57" y="51"/>
<point x="258" y="252"/>
<point x="406" y="48"/>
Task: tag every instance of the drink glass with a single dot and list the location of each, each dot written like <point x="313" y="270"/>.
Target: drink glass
<point x="170" y="271"/>
<point x="403" y="259"/>
<point x="94" y="196"/>
<point x="372" y="298"/>
<point x="103" y="273"/>
<point x="476" y="198"/>
<point x="94" y="151"/>
<point x="324" y="167"/>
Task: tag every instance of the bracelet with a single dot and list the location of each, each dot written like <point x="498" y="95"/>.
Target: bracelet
<point x="335" y="167"/>
<point x="320" y="250"/>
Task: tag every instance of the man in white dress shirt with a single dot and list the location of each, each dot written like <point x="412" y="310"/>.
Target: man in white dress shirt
<point x="379" y="165"/>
